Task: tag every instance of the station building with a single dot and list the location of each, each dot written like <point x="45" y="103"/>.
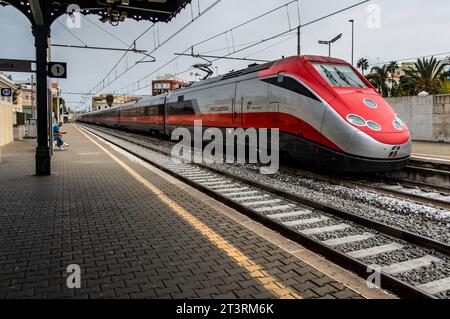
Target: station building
<point x="163" y="84"/>
<point x="7" y="112"/>
<point x="27" y="97"/>
<point x="100" y="103"/>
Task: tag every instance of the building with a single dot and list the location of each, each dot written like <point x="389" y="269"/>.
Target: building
<point x="163" y="84"/>
<point x="27" y="97"/>
<point x="7" y="112"/>
<point x="99" y="102"/>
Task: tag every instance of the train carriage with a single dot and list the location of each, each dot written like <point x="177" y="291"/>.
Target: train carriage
<point x="329" y="116"/>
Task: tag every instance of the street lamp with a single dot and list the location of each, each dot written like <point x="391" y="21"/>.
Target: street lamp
<point x="353" y="35"/>
<point x="330" y="42"/>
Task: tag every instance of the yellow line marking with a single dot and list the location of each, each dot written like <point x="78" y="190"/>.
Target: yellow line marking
<point x="258" y="273"/>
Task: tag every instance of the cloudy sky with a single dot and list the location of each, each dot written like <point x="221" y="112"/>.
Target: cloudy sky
<point x="407" y="29"/>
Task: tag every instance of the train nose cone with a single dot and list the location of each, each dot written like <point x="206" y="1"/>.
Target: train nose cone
<point x="399" y="145"/>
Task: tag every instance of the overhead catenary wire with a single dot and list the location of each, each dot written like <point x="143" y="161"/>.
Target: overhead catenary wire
<point x="410" y="59"/>
<point x="224" y="33"/>
<point x="257" y="42"/>
<point x="271" y="46"/>
<point x="106" y="31"/>
<point x="154" y="50"/>
<point x="72" y="33"/>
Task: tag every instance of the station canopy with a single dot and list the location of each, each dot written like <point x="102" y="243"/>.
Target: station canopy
<point x="44" y="12"/>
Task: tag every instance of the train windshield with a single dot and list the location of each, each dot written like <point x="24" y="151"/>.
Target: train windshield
<point x="339" y="75"/>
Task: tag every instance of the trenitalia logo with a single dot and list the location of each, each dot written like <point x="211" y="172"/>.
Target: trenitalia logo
<point x="394" y="152"/>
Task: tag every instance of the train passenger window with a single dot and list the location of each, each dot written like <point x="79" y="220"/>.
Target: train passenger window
<point x="339" y="75"/>
<point x="180" y="98"/>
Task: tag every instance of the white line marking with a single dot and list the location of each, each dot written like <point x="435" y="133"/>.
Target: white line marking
<point x="326" y="229"/>
<point x="407" y="265"/>
<point x="306" y="221"/>
<point x="436" y="286"/>
<point x="372" y="251"/>
<point x="348" y="239"/>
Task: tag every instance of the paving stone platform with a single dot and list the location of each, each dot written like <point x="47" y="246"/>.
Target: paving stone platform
<point x="128" y="243"/>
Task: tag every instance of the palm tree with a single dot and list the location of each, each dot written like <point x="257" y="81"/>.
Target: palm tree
<point x="109" y="99"/>
<point x="362" y="64"/>
<point x="378" y="77"/>
<point x="392" y="68"/>
<point x="426" y="74"/>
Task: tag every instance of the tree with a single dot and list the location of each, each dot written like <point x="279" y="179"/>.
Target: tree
<point x="378" y="78"/>
<point x="426" y="75"/>
<point x="109" y="99"/>
<point x="392" y="68"/>
<point x="16" y="95"/>
<point x="444" y="88"/>
<point x="362" y="64"/>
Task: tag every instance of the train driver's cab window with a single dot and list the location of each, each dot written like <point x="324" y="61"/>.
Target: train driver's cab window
<point x="339" y="75"/>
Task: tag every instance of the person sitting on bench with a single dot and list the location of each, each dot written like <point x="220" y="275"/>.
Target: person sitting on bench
<point x="57" y="134"/>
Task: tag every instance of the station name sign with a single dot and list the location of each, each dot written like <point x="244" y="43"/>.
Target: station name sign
<point x="9" y="65"/>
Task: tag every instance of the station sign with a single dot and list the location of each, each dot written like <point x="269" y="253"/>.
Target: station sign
<point x="6" y="92"/>
<point x="57" y="70"/>
<point x="9" y="65"/>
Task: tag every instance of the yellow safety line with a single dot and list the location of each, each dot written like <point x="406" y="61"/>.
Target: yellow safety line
<point x="258" y="273"/>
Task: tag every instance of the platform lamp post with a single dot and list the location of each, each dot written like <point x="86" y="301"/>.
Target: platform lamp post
<point x="330" y="42"/>
<point x="353" y="36"/>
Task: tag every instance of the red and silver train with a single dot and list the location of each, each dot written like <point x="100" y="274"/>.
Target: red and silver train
<point x="328" y="115"/>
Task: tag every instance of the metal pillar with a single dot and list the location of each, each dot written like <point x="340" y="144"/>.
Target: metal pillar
<point x="353" y="37"/>
<point x="298" y="41"/>
<point x="41" y="34"/>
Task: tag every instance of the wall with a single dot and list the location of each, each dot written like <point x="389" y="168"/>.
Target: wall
<point x="427" y="117"/>
<point x="6" y="122"/>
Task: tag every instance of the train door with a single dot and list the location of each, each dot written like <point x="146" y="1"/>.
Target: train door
<point x="237" y="107"/>
<point x="162" y="116"/>
<point x="274" y="114"/>
<point x="252" y="96"/>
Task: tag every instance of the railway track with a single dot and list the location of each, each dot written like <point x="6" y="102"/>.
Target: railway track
<point x="407" y="264"/>
<point x="374" y="184"/>
<point x="425" y="172"/>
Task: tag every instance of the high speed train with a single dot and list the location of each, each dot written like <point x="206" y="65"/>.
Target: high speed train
<point x="328" y="115"/>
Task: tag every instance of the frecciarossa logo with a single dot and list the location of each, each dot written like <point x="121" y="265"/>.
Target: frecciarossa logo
<point x="394" y="152"/>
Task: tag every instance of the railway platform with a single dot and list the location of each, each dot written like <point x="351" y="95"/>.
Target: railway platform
<point x="432" y="150"/>
<point x="135" y="232"/>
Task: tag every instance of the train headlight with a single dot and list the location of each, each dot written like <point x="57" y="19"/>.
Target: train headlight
<point x="356" y="120"/>
<point x="374" y="126"/>
<point x="370" y="103"/>
<point x="398" y="123"/>
<point x="398" y="119"/>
